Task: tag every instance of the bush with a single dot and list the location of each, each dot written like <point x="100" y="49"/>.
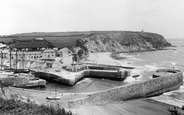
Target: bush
<point x="17" y="107"/>
<point x="174" y="111"/>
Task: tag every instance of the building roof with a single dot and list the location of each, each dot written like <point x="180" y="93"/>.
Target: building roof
<point x="63" y="50"/>
<point x="48" y="50"/>
<point x="31" y="44"/>
<point x="2" y="45"/>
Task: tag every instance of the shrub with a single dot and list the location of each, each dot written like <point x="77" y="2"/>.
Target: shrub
<point x="174" y="111"/>
<point x="17" y="107"/>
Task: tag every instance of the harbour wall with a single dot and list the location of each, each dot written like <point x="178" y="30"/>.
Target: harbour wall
<point x="106" y="74"/>
<point x="12" y="81"/>
<point x="147" y="88"/>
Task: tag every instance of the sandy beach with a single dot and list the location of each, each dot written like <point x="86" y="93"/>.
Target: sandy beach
<point x="132" y="107"/>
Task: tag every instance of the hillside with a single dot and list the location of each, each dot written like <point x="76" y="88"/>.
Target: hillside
<point x="97" y="41"/>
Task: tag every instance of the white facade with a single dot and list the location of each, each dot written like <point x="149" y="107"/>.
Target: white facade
<point x="63" y="52"/>
<point x="28" y="55"/>
<point x="49" y="53"/>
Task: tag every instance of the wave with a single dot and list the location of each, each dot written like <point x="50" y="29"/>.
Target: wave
<point x="173" y="97"/>
<point x="86" y="80"/>
<point x="172" y="63"/>
<point x="130" y="79"/>
<point x="151" y="67"/>
<point x="175" y="52"/>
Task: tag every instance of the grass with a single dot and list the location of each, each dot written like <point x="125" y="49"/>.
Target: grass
<point x="57" y="41"/>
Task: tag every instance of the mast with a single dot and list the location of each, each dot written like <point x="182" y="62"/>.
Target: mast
<point x="10" y="58"/>
<point x="23" y="59"/>
<point x="16" y="60"/>
<point x="1" y="59"/>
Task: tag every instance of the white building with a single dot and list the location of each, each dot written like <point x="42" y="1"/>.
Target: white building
<point x="49" y="53"/>
<point x="63" y="52"/>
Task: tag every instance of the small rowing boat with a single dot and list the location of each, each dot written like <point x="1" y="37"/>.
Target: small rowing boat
<point x="53" y="98"/>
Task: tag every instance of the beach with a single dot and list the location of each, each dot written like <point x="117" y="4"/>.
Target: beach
<point x="132" y="107"/>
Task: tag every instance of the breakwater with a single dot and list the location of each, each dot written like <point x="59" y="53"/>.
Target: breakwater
<point x="70" y="75"/>
<point x="73" y="78"/>
<point x="22" y="82"/>
<point x="147" y="88"/>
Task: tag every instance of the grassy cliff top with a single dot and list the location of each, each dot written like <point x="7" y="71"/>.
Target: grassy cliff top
<point x="69" y="39"/>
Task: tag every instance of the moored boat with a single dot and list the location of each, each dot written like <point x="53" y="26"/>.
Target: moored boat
<point x="53" y="98"/>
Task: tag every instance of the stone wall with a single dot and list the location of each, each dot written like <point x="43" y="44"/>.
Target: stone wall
<point x="141" y="89"/>
<point x="13" y="81"/>
<point x="106" y="74"/>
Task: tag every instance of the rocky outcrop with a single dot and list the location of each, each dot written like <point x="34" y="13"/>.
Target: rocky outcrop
<point x="121" y="42"/>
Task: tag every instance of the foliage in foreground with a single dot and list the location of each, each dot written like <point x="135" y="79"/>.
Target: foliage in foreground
<point x="17" y="107"/>
<point x="174" y="111"/>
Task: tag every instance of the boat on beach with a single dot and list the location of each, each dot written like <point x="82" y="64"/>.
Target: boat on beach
<point x="55" y="97"/>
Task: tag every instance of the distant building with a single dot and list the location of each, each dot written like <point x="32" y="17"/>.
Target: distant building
<point x="49" y="53"/>
<point x="29" y="55"/>
<point x="32" y="49"/>
<point x="31" y="44"/>
<point x="20" y="55"/>
<point x="5" y="53"/>
<point x="63" y="52"/>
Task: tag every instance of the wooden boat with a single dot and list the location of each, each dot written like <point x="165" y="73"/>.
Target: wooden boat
<point x="53" y="98"/>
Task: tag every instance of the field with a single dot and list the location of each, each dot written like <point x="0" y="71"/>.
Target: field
<point x="57" y="39"/>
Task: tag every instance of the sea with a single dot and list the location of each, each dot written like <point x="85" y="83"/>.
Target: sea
<point x="146" y="63"/>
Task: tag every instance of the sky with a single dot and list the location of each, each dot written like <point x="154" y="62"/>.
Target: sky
<point x="165" y="17"/>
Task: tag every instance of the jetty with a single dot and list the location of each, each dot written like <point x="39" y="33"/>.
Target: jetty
<point x="21" y="80"/>
<point x="70" y="75"/>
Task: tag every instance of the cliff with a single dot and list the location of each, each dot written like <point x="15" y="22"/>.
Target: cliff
<point x="121" y="41"/>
